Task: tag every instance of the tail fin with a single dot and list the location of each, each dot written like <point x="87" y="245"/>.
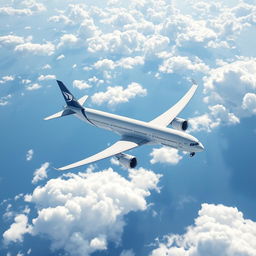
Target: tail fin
<point x="68" y="96"/>
<point x="71" y="101"/>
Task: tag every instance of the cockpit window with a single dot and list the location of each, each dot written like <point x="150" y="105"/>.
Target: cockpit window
<point x="194" y="144"/>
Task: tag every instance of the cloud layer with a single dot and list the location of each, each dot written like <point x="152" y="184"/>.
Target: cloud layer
<point x="218" y="230"/>
<point x="81" y="212"/>
<point x="165" y="155"/>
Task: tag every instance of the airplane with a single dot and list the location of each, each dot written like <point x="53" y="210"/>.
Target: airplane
<point x="134" y="133"/>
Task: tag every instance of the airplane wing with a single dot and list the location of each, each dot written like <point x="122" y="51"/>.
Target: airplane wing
<point x="119" y="147"/>
<point x="167" y="117"/>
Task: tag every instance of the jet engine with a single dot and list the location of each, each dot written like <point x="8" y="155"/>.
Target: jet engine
<point x="127" y="161"/>
<point x="179" y="124"/>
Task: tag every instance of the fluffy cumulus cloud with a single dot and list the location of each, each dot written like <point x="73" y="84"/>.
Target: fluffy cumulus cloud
<point x="11" y="40"/>
<point x="46" y="77"/>
<point x="46" y="49"/>
<point x="117" y="42"/>
<point x="33" y="87"/>
<point x="81" y="212"/>
<point x="13" y="11"/>
<point x="68" y="40"/>
<point x="155" y="44"/>
<point x="165" y="155"/>
<point x="6" y="79"/>
<point x="41" y="173"/>
<point x="249" y="102"/>
<point x="17" y="230"/>
<point x="81" y="84"/>
<point x="119" y="94"/>
<point x="34" y="6"/>
<point x="178" y="64"/>
<point x="24" y="8"/>
<point x="229" y="93"/>
<point x="217" y="115"/>
<point x="218" y="230"/>
<point x="126" y="63"/>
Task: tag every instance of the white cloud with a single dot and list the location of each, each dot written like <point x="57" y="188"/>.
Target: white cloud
<point x="218" y="230"/>
<point x="182" y="28"/>
<point x="88" y="29"/>
<point x="143" y="26"/>
<point x="98" y="243"/>
<point x="8" y="212"/>
<point x="201" y="123"/>
<point x="230" y="93"/>
<point x="12" y="11"/>
<point x="46" y="77"/>
<point x="34" y="5"/>
<point x="81" y="84"/>
<point x="183" y="63"/>
<point x="197" y="31"/>
<point x="117" y="42"/>
<point x="29" y="155"/>
<point x="60" y="19"/>
<point x="221" y="114"/>
<point x="105" y="64"/>
<point x="11" y="40"/>
<point x="60" y="57"/>
<point x="249" y="102"/>
<point x="119" y="94"/>
<point x="6" y="79"/>
<point x="41" y="173"/>
<point x="47" y="66"/>
<point x="18" y="196"/>
<point x="218" y="115"/>
<point x="236" y="76"/>
<point x="95" y="80"/>
<point x="17" y="230"/>
<point x="81" y="212"/>
<point x="155" y="44"/>
<point x="36" y="49"/>
<point x="119" y="19"/>
<point x="33" y="87"/>
<point x="126" y="63"/>
<point x="127" y="253"/>
<point x="68" y="40"/>
<point x="165" y="155"/>
<point x="4" y="100"/>
<point x="130" y="62"/>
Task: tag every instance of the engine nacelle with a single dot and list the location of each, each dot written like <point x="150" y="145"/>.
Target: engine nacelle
<point x="127" y="161"/>
<point x="179" y="124"/>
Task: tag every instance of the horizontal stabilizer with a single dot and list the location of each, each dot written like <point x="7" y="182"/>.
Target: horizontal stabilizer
<point x="65" y="112"/>
<point x="82" y="100"/>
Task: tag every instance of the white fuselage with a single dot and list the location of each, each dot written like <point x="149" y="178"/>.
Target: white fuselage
<point x="140" y="130"/>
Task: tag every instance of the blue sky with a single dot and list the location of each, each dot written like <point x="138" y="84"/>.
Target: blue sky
<point x="133" y="58"/>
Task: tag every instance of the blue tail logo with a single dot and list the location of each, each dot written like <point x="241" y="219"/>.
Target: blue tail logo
<point x="68" y="96"/>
